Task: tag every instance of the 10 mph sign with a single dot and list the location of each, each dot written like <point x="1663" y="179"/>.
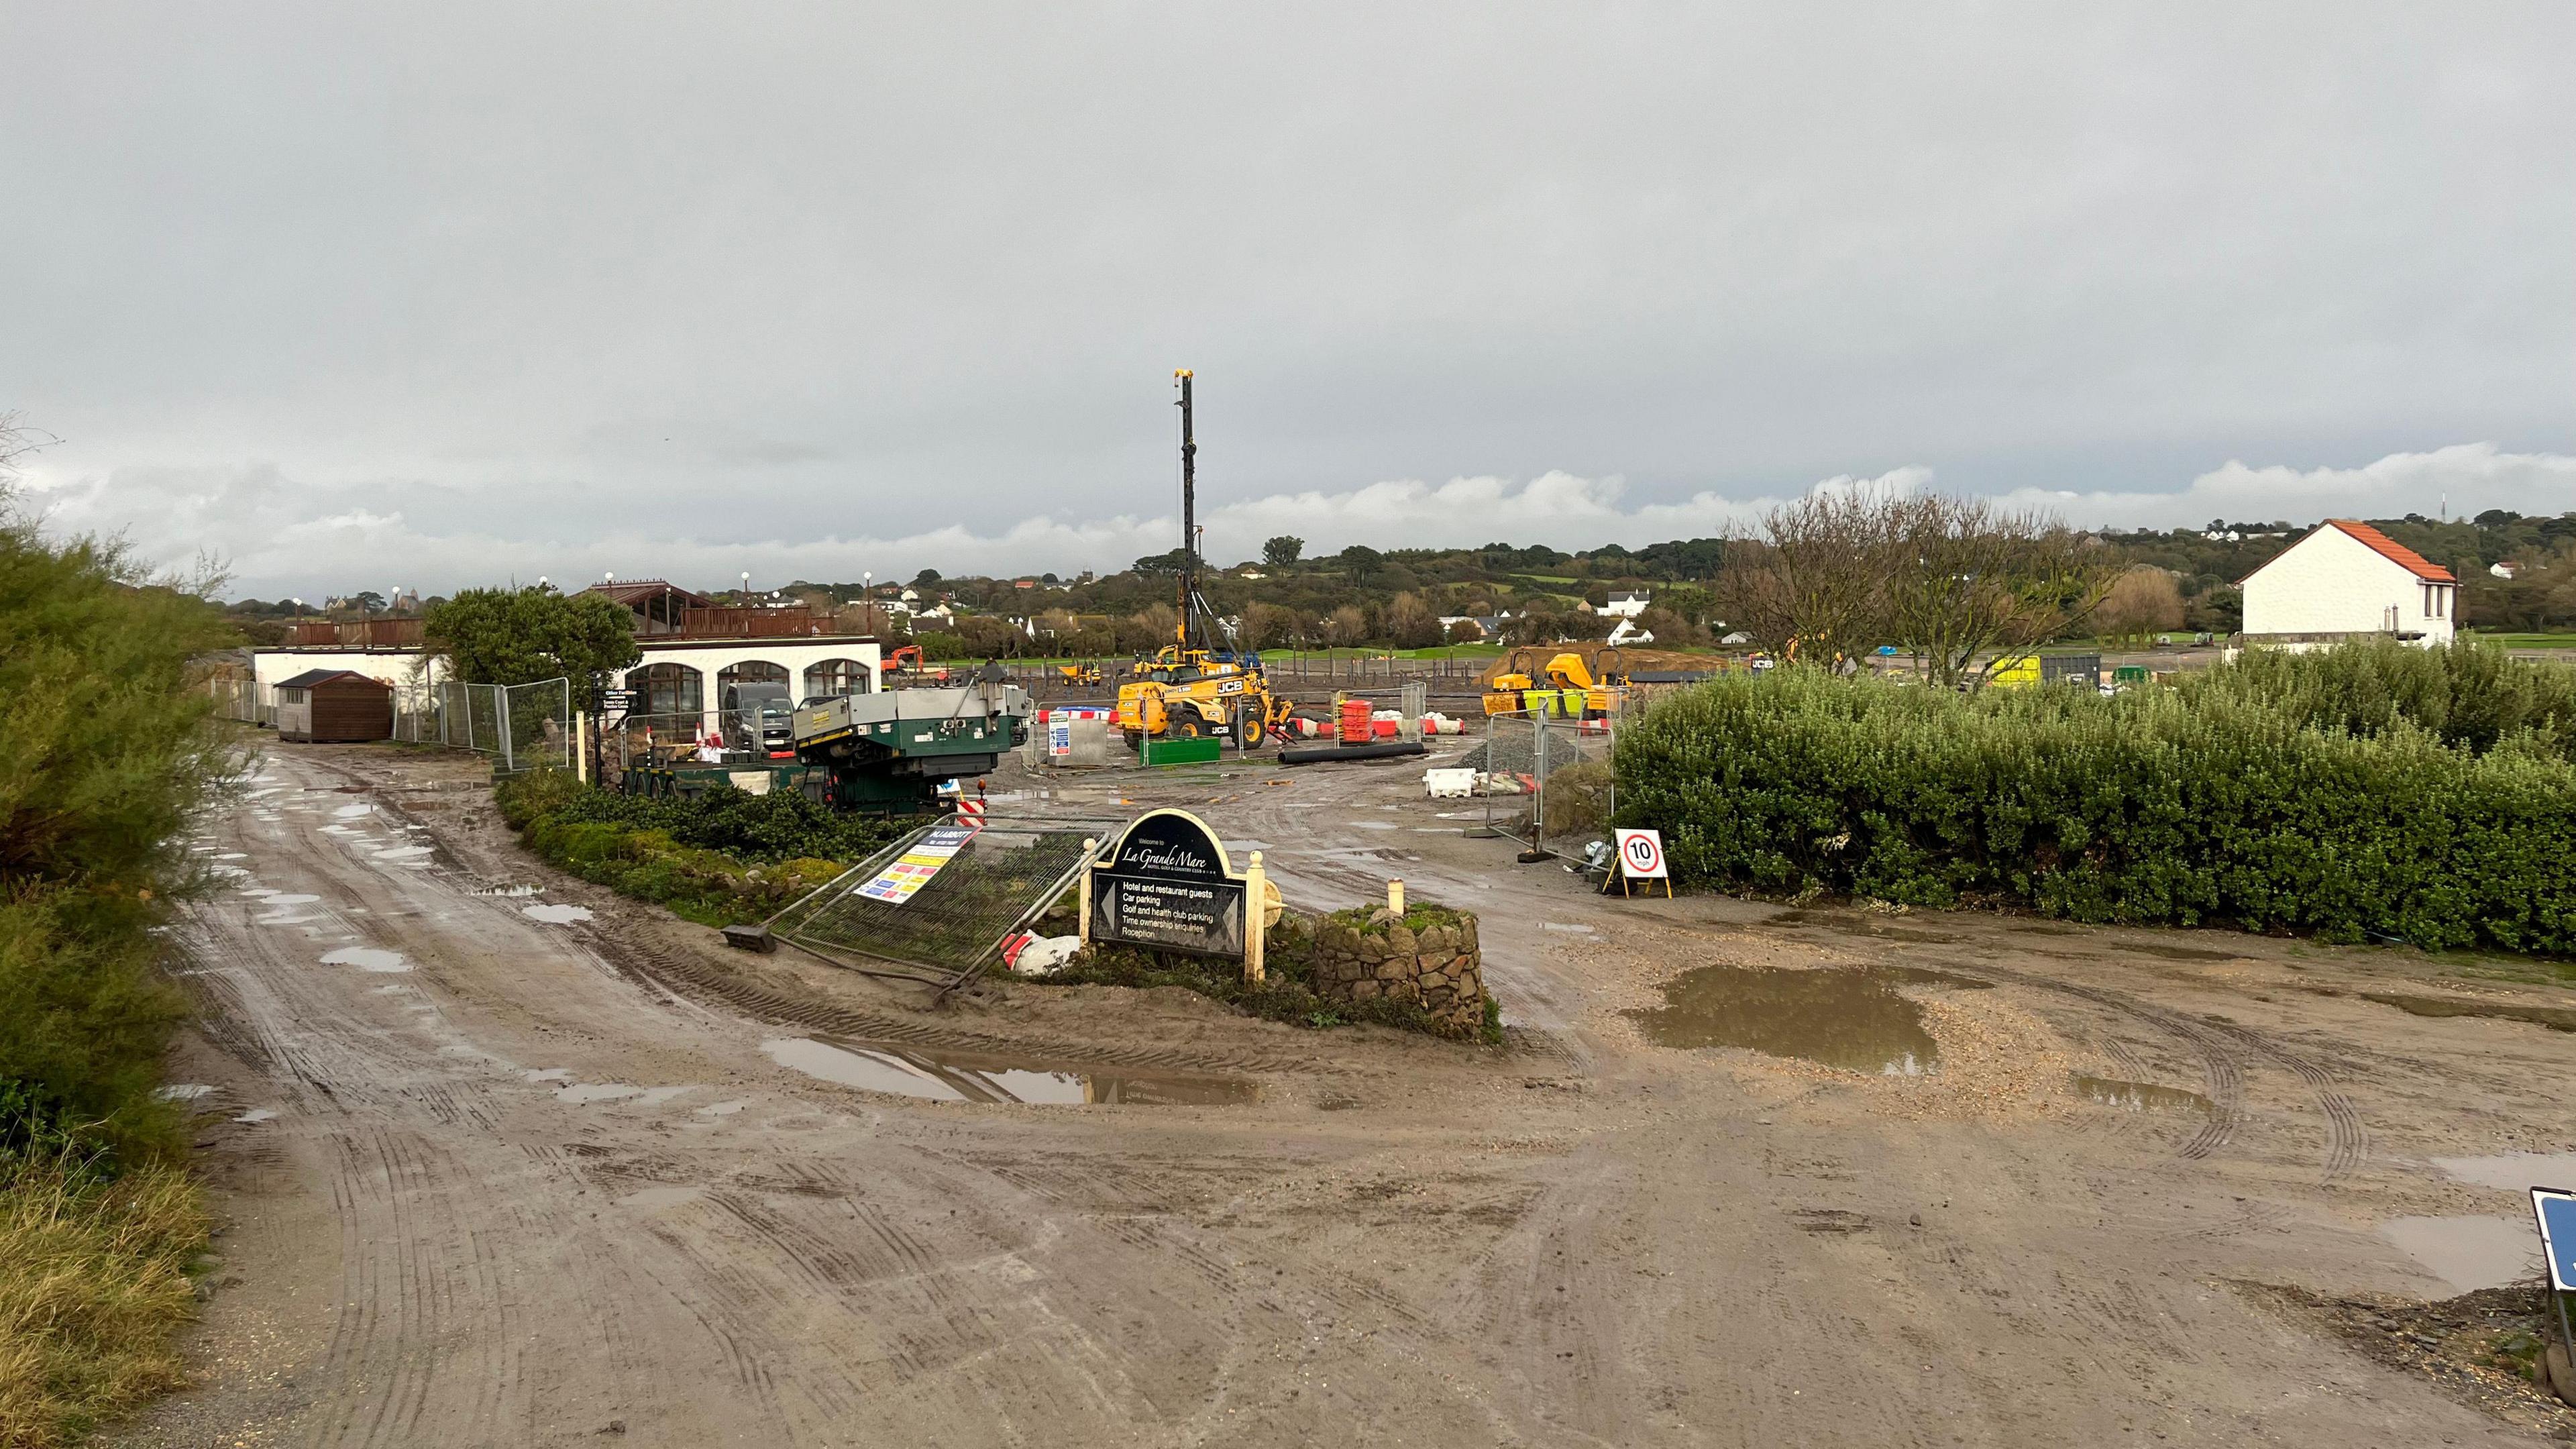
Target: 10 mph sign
<point x="1641" y="855"/>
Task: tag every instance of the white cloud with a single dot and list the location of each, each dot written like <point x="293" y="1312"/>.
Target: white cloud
<point x="282" y="537"/>
<point x="2466" y="478"/>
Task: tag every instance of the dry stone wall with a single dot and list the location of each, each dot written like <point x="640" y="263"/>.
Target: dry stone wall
<point x="1438" y="967"/>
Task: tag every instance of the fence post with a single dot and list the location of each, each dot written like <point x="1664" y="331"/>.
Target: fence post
<point x="501" y="722"/>
<point x="1256" y="906"/>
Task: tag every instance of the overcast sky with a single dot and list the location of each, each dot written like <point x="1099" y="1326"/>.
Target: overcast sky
<point x="449" y="294"/>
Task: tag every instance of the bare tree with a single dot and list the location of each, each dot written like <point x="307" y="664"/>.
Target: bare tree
<point x="1811" y="583"/>
<point x="1410" y="623"/>
<point x="2141" y="601"/>
<point x="1268" y="626"/>
<point x="1963" y="578"/>
<point x="18" y="442"/>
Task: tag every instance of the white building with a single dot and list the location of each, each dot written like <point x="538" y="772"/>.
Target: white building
<point x="1627" y="603"/>
<point x="2348" y="579"/>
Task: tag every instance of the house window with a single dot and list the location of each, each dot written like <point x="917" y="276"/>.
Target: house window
<point x="835" y="677"/>
<point x="668" y="688"/>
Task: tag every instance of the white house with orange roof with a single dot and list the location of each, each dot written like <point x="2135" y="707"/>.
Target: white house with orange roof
<point x="2348" y="579"/>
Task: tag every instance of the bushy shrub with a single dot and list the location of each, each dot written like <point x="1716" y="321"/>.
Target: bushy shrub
<point x="106" y="753"/>
<point x="2475" y="696"/>
<point x="2204" y="804"/>
<point x="751" y="828"/>
<point x="721" y="858"/>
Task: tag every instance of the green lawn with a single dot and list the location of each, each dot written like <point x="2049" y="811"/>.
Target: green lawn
<point x="2523" y="641"/>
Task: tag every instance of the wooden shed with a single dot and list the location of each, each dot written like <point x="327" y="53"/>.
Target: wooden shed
<point x="334" y="704"/>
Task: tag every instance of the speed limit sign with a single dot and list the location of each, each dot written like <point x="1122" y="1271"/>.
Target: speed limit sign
<point x="1641" y="854"/>
<point x="1641" y="857"/>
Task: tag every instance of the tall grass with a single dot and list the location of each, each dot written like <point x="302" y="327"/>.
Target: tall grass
<point x="2350" y="795"/>
<point x="93" y="1276"/>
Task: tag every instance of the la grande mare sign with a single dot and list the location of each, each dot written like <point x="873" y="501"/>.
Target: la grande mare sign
<point x="1166" y="884"/>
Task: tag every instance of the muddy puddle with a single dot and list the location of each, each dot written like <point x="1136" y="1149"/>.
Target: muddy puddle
<point x="2136" y="1096"/>
<point x="1852" y="1018"/>
<point x="2513" y="1171"/>
<point x="2556" y="1018"/>
<point x="2468" y="1253"/>
<point x="941" y="1076"/>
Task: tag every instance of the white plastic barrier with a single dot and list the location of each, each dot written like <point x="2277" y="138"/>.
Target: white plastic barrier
<point x="1450" y="784"/>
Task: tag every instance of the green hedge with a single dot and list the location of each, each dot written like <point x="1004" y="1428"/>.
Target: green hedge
<point x="2206" y="804"/>
<point x="747" y="827"/>
<point x="722" y="858"/>
<point x="2472" y="695"/>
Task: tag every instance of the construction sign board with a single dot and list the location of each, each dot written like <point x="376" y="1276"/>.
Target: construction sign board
<point x="1166" y="883"/>
<point x="2555" y="1207"/>
<point x="1641" y="855"/>
<point x="913" y="869"/>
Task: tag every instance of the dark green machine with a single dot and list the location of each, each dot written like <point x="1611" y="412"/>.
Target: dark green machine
<point x="889" y="753"/>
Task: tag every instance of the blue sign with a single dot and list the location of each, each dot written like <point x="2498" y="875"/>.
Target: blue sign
<point x="2556" y="1209"/>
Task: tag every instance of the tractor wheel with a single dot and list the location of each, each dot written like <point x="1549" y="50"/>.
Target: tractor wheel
<point x="1251" y="731"/>
<point x="1135" y="740"/>
<point x="1187" y="729"/>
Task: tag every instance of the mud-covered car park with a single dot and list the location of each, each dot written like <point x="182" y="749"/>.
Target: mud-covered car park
<point x="506" y="1159"/>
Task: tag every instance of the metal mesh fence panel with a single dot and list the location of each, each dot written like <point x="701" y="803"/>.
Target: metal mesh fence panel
<point x="235" y="699"/>
<point x="536" y="726"/>
<point x="1575" y="784"/>
<point x="415" y="714"/>
<point x="936" y="904"/>
<point x="1546" y="778"/>
<point x="521" y="726"/>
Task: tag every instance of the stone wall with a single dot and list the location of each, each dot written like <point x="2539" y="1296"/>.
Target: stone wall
<point x="1438" y="967"/>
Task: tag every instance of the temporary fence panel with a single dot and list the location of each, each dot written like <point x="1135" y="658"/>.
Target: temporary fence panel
<point x="235" y="699"/>
<point x="1547" y="779"/>
<point x="1576" y="789"/>
<point x="537" y="726"/>
<point x="521" y="726"/>
<point x="416" y="709"/>
<point x="935" y="905"/>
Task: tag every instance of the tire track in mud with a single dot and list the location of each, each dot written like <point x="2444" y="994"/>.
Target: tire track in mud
<point x="2225" y="1049"/>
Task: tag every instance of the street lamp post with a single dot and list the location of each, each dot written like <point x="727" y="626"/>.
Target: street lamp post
<point x="868" y="601"/>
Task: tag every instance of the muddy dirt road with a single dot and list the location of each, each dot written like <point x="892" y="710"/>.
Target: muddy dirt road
<point x="515" y="1168"/>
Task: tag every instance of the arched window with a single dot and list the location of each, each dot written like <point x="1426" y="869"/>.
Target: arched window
<point x="751" y="671"/>
<point x="835" y="677"/>
<point x="668" y="688"/>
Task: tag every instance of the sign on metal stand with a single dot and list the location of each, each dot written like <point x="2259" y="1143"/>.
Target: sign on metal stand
<point x="2555" y="1210"/>
<point x="1640" y="857"/>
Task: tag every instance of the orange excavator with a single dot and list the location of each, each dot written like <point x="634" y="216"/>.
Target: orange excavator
<point x="906" y="666"/>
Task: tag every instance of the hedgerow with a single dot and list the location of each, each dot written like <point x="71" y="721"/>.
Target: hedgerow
<point x="719" y="858"/>
<point x="2224" y="801"/>
<point x="748" y="827"/>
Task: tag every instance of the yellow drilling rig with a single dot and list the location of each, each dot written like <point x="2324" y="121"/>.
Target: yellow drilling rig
<point x="1193" y="688"/>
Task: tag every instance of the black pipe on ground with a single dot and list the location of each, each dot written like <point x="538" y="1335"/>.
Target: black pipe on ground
<point x="1318" y="754"/>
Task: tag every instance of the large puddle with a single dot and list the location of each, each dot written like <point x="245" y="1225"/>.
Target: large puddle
<point x="2469" y="1253"/>
<point x="1853" y="1018"/>
<point x="954" y="1077"/>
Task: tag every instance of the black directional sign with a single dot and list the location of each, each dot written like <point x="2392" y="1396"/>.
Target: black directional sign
<point x="1165" y="884"/>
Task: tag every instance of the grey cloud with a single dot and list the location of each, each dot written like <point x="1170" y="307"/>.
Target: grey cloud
<point x="543" y="277"/>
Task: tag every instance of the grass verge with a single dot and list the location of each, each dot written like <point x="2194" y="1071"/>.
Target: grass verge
<point x="94" y="1280"/>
